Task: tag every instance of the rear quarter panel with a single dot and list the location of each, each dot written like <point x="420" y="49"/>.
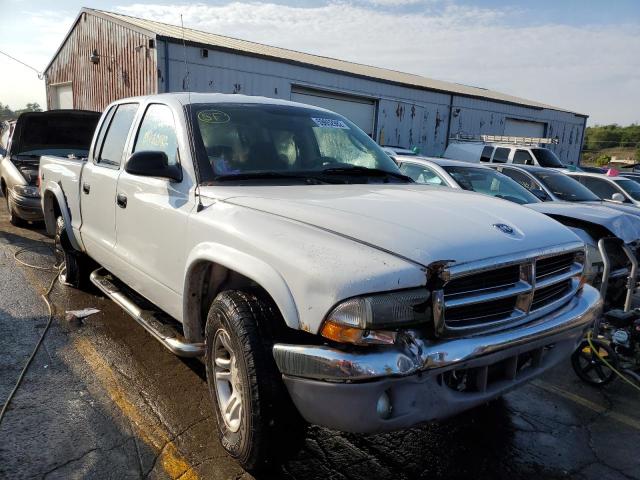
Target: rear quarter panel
<point x="61" y="177"/>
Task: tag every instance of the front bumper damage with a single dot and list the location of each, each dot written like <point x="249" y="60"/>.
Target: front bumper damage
<point x="428" y="380"/>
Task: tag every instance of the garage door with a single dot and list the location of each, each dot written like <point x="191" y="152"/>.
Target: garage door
<point x="62" y="96"/>
<point x="360" y="111"/>
<point x="523" y="128"/>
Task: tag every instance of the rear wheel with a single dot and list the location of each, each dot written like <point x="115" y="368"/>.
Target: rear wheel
<point x="256" y="420"/>
<point x="588" y="362"/>
<point x="67" y="259"/>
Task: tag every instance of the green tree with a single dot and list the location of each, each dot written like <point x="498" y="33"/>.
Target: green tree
<point x="6" y="113"/>
<point x="603" y="160"/>
<point x="637" y="155"/>
<point x="31" y="107"/>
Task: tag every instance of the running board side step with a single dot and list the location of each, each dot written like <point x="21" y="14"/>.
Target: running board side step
<point x="148" y="319"/>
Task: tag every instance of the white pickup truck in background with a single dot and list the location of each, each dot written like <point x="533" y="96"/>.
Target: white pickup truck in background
<point x="280" y="242"/>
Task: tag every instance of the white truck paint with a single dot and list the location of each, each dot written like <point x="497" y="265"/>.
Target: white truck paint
<point x="314" y="245"/>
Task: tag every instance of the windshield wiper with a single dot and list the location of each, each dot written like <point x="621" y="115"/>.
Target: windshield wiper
<point x="365" y="171"/>
<point x="266" y="176"/>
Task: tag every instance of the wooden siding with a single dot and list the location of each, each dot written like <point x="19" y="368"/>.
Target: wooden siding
<point x="123" y="71"/>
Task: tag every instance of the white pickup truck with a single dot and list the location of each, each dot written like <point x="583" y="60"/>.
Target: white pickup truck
<point x="280" y="242"/>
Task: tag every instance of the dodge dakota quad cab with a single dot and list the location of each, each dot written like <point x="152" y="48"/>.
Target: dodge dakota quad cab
<point x="281" y="243"/>
<point x="58" y="132"/>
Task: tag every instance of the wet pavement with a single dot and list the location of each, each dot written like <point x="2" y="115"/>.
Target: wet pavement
<point x="104" y="400"/>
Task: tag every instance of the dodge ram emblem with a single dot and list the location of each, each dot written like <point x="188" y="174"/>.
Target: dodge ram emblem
<point x="504" y="228"/>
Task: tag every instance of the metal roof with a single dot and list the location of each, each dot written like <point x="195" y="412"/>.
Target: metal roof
<point x="245" y="47"/>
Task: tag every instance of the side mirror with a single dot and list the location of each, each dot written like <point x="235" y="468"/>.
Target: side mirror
<point x="618" y="197"/>
<point x="153" y="164"/>
<point x="540" y="194"/>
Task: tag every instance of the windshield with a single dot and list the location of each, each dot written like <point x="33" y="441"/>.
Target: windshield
<point x="283" y="141"/>
<point x="565" y="188"/>
<point x="632" y="188"/>
<point x="490" y="182"/>
<point x="546" y="158"/>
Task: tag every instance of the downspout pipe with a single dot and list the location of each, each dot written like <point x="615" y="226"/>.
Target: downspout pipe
<point x="446" y="140"/>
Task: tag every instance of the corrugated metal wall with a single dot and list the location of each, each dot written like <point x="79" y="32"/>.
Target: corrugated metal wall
<point x="405" y="116"/>
<point x="124" y="69"/>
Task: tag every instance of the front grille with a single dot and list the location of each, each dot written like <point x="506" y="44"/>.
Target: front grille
<point x="484" y="299"/>
<point x="545" y="295"/>
<point x="485" y="311"/>
<point x="556" y="265"/>
<point x="501" y="277"/>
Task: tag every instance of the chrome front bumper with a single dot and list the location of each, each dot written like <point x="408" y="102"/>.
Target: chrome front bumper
<point x="341" y="389"/>
<point x="414" y="354"/>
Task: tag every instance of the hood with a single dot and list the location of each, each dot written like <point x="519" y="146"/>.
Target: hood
<point x="417" y="222"/>
<point x="626" y="208"/>
<point x="619" y="223"/>
<point x="56" y="132"/>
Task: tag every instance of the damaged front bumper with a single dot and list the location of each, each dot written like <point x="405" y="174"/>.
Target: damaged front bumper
<point x="420" y="380"/>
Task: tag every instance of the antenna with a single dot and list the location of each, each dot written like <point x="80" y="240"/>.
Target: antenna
<point x="185" y="86"/>
<point x="185" y="80"/>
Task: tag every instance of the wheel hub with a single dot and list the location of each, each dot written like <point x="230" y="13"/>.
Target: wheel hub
<point x="228" y="385"/>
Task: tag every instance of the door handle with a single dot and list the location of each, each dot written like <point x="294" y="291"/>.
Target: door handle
<point x="121" y="200"/>
<point x="86" y="188"/>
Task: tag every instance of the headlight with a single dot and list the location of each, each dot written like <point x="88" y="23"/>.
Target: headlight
<point x="366" y="320"/>
<point x="27" y="191"/>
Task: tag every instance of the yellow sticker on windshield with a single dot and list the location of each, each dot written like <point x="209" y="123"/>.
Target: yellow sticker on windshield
<point x="213" y="116"/>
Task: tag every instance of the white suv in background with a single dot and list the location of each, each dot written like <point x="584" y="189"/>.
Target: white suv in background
<point x="502" y="153"/>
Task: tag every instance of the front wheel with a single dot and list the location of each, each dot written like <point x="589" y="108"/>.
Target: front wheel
<point x="253" y="410"/>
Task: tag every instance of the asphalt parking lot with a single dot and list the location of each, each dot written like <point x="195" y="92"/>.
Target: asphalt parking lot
<point x="102" y="399"/>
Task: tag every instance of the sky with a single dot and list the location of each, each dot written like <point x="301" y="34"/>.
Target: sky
<point x="582" y="55"/>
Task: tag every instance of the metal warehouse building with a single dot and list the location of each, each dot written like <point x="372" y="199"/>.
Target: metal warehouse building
<point x="107" y="56"/>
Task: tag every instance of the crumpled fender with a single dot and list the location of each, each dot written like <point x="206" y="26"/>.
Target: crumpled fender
<point x="620" y="224"/>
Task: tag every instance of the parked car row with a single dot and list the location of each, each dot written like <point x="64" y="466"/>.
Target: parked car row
<point x="319" y="280"/>
<point x="555" y="194"/>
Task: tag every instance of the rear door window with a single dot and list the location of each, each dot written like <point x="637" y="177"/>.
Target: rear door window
<point x="523" y="157"/>
<point x="486" y="154"/>
<point x="501" y="155"/>
<point x="103" y="129"/>
<point x="116" y="136"/>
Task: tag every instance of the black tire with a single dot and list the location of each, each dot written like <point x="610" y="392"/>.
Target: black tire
<point x="67" y="259"/>
<point x="268" y="422"/>
<point x="590" y="368"/>
<point x="14" y="220"/>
